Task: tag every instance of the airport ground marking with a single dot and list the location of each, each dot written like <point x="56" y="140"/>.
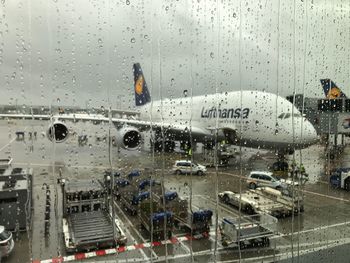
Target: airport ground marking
<point x="121" y="249"/>
<point x="315" y="229"/>
<point x="326" y="196"/>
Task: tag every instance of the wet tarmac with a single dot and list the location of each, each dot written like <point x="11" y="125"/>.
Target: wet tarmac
<point x="323" y="225"/>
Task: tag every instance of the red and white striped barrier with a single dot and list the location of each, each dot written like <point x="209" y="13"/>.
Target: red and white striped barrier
<point x="118" y="250"/>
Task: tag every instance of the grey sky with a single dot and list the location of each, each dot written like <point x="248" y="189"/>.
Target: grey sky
<point x="81" y="52"/>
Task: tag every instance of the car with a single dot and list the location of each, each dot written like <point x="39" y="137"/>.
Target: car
<point x="261" y="178"/>
<point x="6" y="242"/>
<point x="185" y="166"/>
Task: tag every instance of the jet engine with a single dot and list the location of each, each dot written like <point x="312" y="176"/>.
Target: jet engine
<point x="57" y="132"/>
<point x="129" y="138"/>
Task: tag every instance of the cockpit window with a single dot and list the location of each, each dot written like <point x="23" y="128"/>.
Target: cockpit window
<point x="288" y="115"/>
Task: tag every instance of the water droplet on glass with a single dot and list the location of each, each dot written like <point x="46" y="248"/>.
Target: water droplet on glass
<point x="127" y="2"/>
<point x="212" y="54"/>
<point x="185" y="92"/>
<point x="133" y="40"/>
<point x="58" y="100"/>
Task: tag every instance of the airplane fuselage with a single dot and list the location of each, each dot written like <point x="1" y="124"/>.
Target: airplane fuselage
<point x="254" y="116"/>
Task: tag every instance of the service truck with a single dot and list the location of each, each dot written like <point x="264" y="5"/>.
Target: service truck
<point x="248" y="231"/>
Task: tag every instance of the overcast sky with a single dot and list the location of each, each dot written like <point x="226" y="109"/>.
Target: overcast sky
<point x="81" y="52"/>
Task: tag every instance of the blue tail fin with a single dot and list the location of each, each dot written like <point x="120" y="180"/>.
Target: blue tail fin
<point x="142" y="95"/>
<point x="331" y="90"/>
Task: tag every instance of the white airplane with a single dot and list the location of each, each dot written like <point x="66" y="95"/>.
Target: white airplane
<point x="248" y="118"/>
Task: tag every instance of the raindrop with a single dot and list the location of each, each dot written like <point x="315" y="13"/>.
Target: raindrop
<point x="167" y="8"/>
<point x="234" y="15"/>
<point x="58" y="100"/>
<point x="185" y="92"/>
<point x="73" y="79"/>
<point x="127" y="2"/>
<point x="133" y="40"/>
<point x="145" y="36"/>
<point x="212" y="54"/>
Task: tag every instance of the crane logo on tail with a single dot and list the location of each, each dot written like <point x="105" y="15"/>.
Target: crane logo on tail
<point x="142" y="95"/>
<point x="139" y="85"/>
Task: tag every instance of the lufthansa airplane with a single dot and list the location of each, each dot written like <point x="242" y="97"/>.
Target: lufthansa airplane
<point x="248" y="118"/>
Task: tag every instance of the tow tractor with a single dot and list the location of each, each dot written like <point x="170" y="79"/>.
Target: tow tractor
<point x="248" y="231"/>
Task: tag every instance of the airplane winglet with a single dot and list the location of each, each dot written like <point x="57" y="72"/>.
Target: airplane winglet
<point x="142" y="95"/>
<point x="331" y="90"/>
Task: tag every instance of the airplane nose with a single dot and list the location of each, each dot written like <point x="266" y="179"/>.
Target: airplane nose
<point x="310" y="136"/>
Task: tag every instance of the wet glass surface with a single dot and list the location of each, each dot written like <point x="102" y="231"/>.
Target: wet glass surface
<point x="181" y="131"/>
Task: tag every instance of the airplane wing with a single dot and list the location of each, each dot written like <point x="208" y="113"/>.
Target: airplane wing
<point x="25" y="116"/>
<point x="178" y="130"/>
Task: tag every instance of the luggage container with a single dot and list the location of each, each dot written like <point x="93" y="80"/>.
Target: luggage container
<point x="157" y="222"/>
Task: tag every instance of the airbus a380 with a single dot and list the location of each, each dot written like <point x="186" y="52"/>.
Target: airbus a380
<point x="250" y="118"/>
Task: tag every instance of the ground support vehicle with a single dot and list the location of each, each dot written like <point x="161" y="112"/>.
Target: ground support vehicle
<point x="6" y="242"/>
<point x="264" y="200"/>
<point x="132" y="192"/>
<point x="187" y="167"/>
<point x="341" y="178"/>
<point x="195" y="222"/>
<point x="155" y="220"/>
<point x="91" y="230"/>
<point x="248" y="231"/>
<point x="87" y="222"/>
<point x="16" y="187"/>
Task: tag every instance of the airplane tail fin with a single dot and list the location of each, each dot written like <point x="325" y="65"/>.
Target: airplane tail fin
<point x="142" y="95"/>
<point x="331" y="90"/>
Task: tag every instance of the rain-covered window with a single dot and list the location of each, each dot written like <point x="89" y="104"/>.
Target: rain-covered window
<point x="174" y="131"/>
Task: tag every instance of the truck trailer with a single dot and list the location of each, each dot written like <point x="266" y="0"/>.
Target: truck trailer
<point x="248" y="231"/>
<point x="265" y="200"/>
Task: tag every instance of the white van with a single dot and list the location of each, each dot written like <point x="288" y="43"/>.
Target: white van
<point x="184" y="167"/>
